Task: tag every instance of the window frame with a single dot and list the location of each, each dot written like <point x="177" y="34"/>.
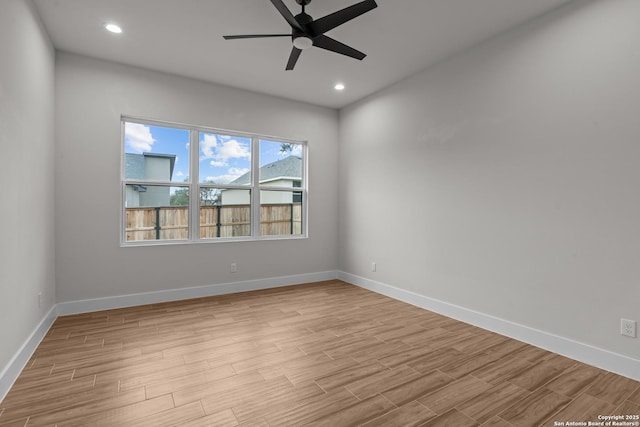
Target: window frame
<point x="194" y="186"/>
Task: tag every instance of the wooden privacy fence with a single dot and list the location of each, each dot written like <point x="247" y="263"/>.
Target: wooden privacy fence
<point x="172" y="222"/>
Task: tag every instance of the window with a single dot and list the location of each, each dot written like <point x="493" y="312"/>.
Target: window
<point x="193" y="184"/>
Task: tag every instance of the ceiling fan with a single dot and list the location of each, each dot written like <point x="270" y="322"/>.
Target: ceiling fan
<point x="307" y="32"/>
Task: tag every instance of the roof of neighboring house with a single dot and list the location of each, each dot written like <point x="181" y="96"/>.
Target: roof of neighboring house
<point x="134" y="164"/>
<point x="287" y="168"/>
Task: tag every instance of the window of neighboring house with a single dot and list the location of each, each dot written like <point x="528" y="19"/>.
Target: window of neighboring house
<point x="228" y="201"/>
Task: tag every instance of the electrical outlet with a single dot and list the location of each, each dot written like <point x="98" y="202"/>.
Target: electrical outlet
<point x="628" y="328"/>
<point x="234" y="267"/>
<point x="373" y="267"/>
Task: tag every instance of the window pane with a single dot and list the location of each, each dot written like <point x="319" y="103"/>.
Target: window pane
<point x="155" y="153"/>
<point x="156" y="212"/>
<point x="224" y="159"/>
<point x="280" y="164"/>
<point x="280" y="213"/>
<point x="224" y="213"/>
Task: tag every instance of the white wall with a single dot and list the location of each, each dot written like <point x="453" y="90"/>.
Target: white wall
<point x="26" y="172"/>
<point x="91" y="96"/>
<point x="515" y="168"/>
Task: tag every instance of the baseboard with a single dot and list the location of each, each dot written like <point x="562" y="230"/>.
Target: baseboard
<point x="585" y="353"/>
<point x="10" y="373"/>
<point x="121" y="301"/>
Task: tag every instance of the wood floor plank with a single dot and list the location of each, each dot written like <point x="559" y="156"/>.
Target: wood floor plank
<point x="485" y="405"/>
<point x="635" y="397"/>
<point x="300" y="364"/>
<point x="200" y="391"/>
<point x="453" y="418"/>
<point x="248" y="409"/>
<point x="497" y="422"/>
<point x="536" y="408"/>
<point x="506" y="348"/>
<point x="26" y="386"/>
<point x="323" y="353"/>
<point x="379" y="352"/>
<point x="382" y="381"/>
<point x="417" y="388"/>
<point x="152" y="373"/>
<point x="248" y="392"/>
<point x="311" y="409"/>
<point x="356" y="414"/>
<point x="479" y="342"/>
<point x="412" y="414"/>
<point x="40" y="392"/>
<point x="462" y="367"/>
<point x="436" y="359"/>
<point x="119" y="361"/>
<point x="124" y="415"/>
<point x="205" y="376"/>
<point x="341" y="378"/>
<point x="224" y="418"/>
<point x="628" y="408"/>
<point x="18" y="423"/>
<point x="357" y="345"/>
<point x="86" y="410"/>
<point x="575" y="380"/>
<point x="499" y="370"/>
<point x="320" y="370"/>
<point x="613" y="388"/>
<point x="173" y="416"/>
<point x="542" y="372"/>
<point x="453" y="394"/>
<point x="409" y="354"/>
<point x="531" y="354"/>
<point x="584" y="408"/>
<point x="57" y="399"/>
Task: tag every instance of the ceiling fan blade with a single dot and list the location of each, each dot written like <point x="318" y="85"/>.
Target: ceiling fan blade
<point x="293" y="58"/>
<point x="329" y="22"/>
<point x="255" y="36"/>
<point x="286" y="14"/>
<point x="328" y="43"/>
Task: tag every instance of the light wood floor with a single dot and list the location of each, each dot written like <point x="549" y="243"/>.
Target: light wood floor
<point x="324" y="354"/>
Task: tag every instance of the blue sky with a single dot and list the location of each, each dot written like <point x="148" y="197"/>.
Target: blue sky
<point x="223" y="158"/>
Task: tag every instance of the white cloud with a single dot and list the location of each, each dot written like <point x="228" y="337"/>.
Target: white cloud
<point x="179" y="173"/>
<point x="138" y="137"/>
<point x="221" y="151"/>
<point x="207" y="146"/>
<point x="232" y="149"/>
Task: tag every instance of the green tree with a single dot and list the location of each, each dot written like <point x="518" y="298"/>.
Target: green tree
<point x="286" y="148"/>
<point x="210" y="196"/>
<point x="180" y="197"/>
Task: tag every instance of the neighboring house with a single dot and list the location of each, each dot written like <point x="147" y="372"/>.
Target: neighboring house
<point x="148" y="166"/>
<point x="282" y="173"/>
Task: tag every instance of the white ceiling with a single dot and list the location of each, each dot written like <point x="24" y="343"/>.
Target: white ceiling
<point x="184" y="37"/>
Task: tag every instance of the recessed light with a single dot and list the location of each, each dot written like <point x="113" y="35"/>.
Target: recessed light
<point x="113" y="28"/>
<point x="339" y="86"/>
